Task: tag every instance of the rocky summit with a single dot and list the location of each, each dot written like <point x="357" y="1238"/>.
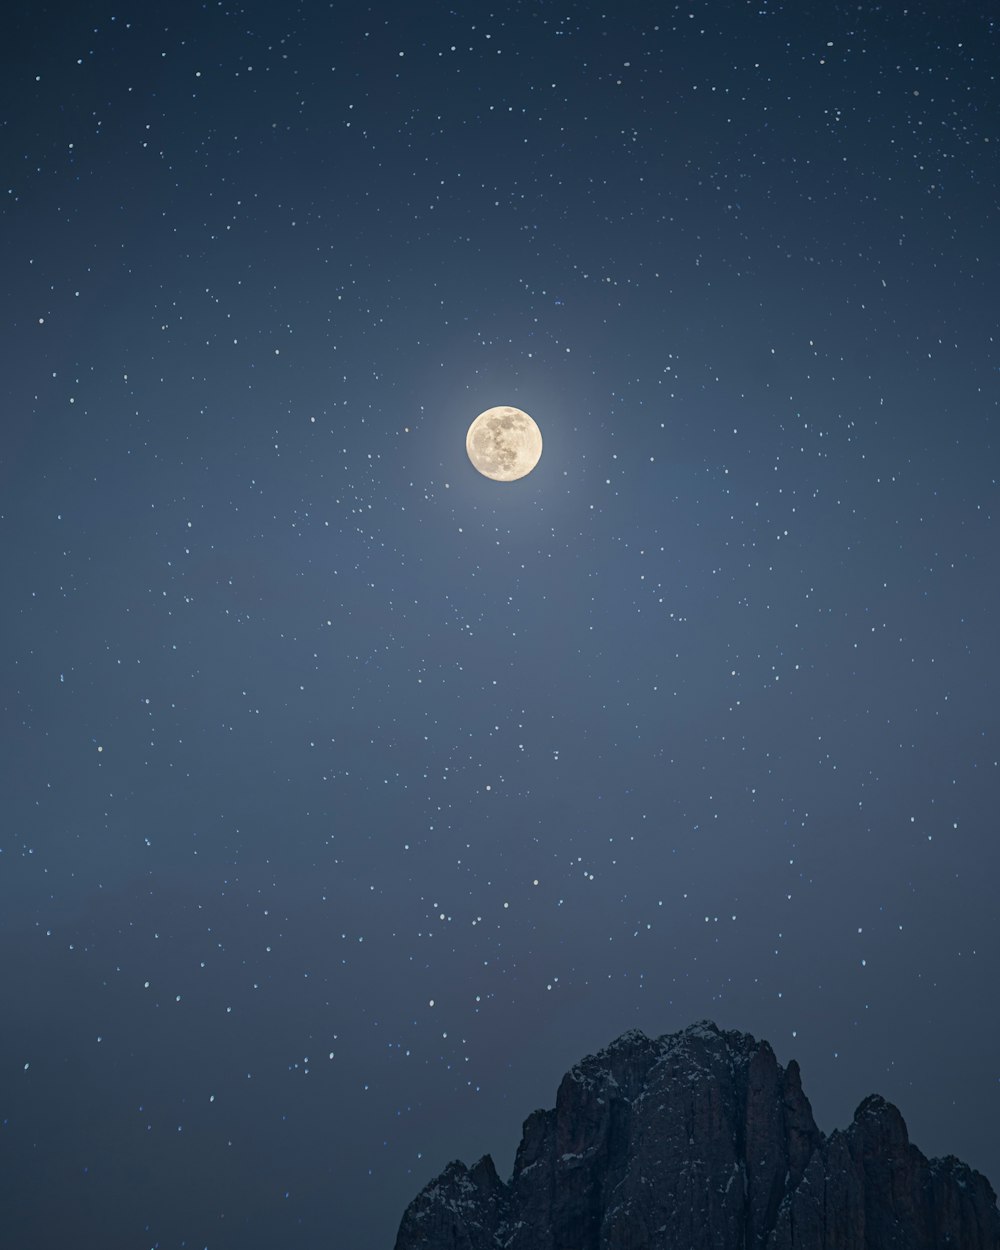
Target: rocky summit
<point x="701" y="1140"/>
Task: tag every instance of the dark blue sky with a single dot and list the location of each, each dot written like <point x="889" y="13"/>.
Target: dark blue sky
<point x="351" y="797"/>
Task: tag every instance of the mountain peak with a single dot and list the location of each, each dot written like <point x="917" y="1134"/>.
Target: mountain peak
<point x="701" y="1139"/>
<point x="701" y="1028"/>
<point x="876" y="1106"/>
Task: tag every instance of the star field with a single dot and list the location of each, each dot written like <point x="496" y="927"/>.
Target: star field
<point x="351" y="797"/>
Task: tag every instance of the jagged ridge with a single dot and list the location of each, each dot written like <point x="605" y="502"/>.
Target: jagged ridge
<point x="701" y="1140"/>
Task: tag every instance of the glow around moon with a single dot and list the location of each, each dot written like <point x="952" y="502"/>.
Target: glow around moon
<point x="504" y="443"/>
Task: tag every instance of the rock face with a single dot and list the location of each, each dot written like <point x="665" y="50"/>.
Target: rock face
<point x="700" y="1140"/>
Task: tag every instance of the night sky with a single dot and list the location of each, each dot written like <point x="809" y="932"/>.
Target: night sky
<point x="349" y="796"/>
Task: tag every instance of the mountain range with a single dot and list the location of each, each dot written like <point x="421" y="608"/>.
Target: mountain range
<point x="701" y="1140"/>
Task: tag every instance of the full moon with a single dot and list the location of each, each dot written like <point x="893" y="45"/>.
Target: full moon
<point x="504" y="443"/>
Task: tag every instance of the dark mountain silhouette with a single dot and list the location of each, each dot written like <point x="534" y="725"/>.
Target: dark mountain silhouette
<point x="700" y="1140"/>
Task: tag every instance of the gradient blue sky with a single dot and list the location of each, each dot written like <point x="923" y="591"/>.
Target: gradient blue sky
<point x="351" y="797"/>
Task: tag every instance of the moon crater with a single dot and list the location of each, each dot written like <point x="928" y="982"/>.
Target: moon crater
<point x="504" y="443"/>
